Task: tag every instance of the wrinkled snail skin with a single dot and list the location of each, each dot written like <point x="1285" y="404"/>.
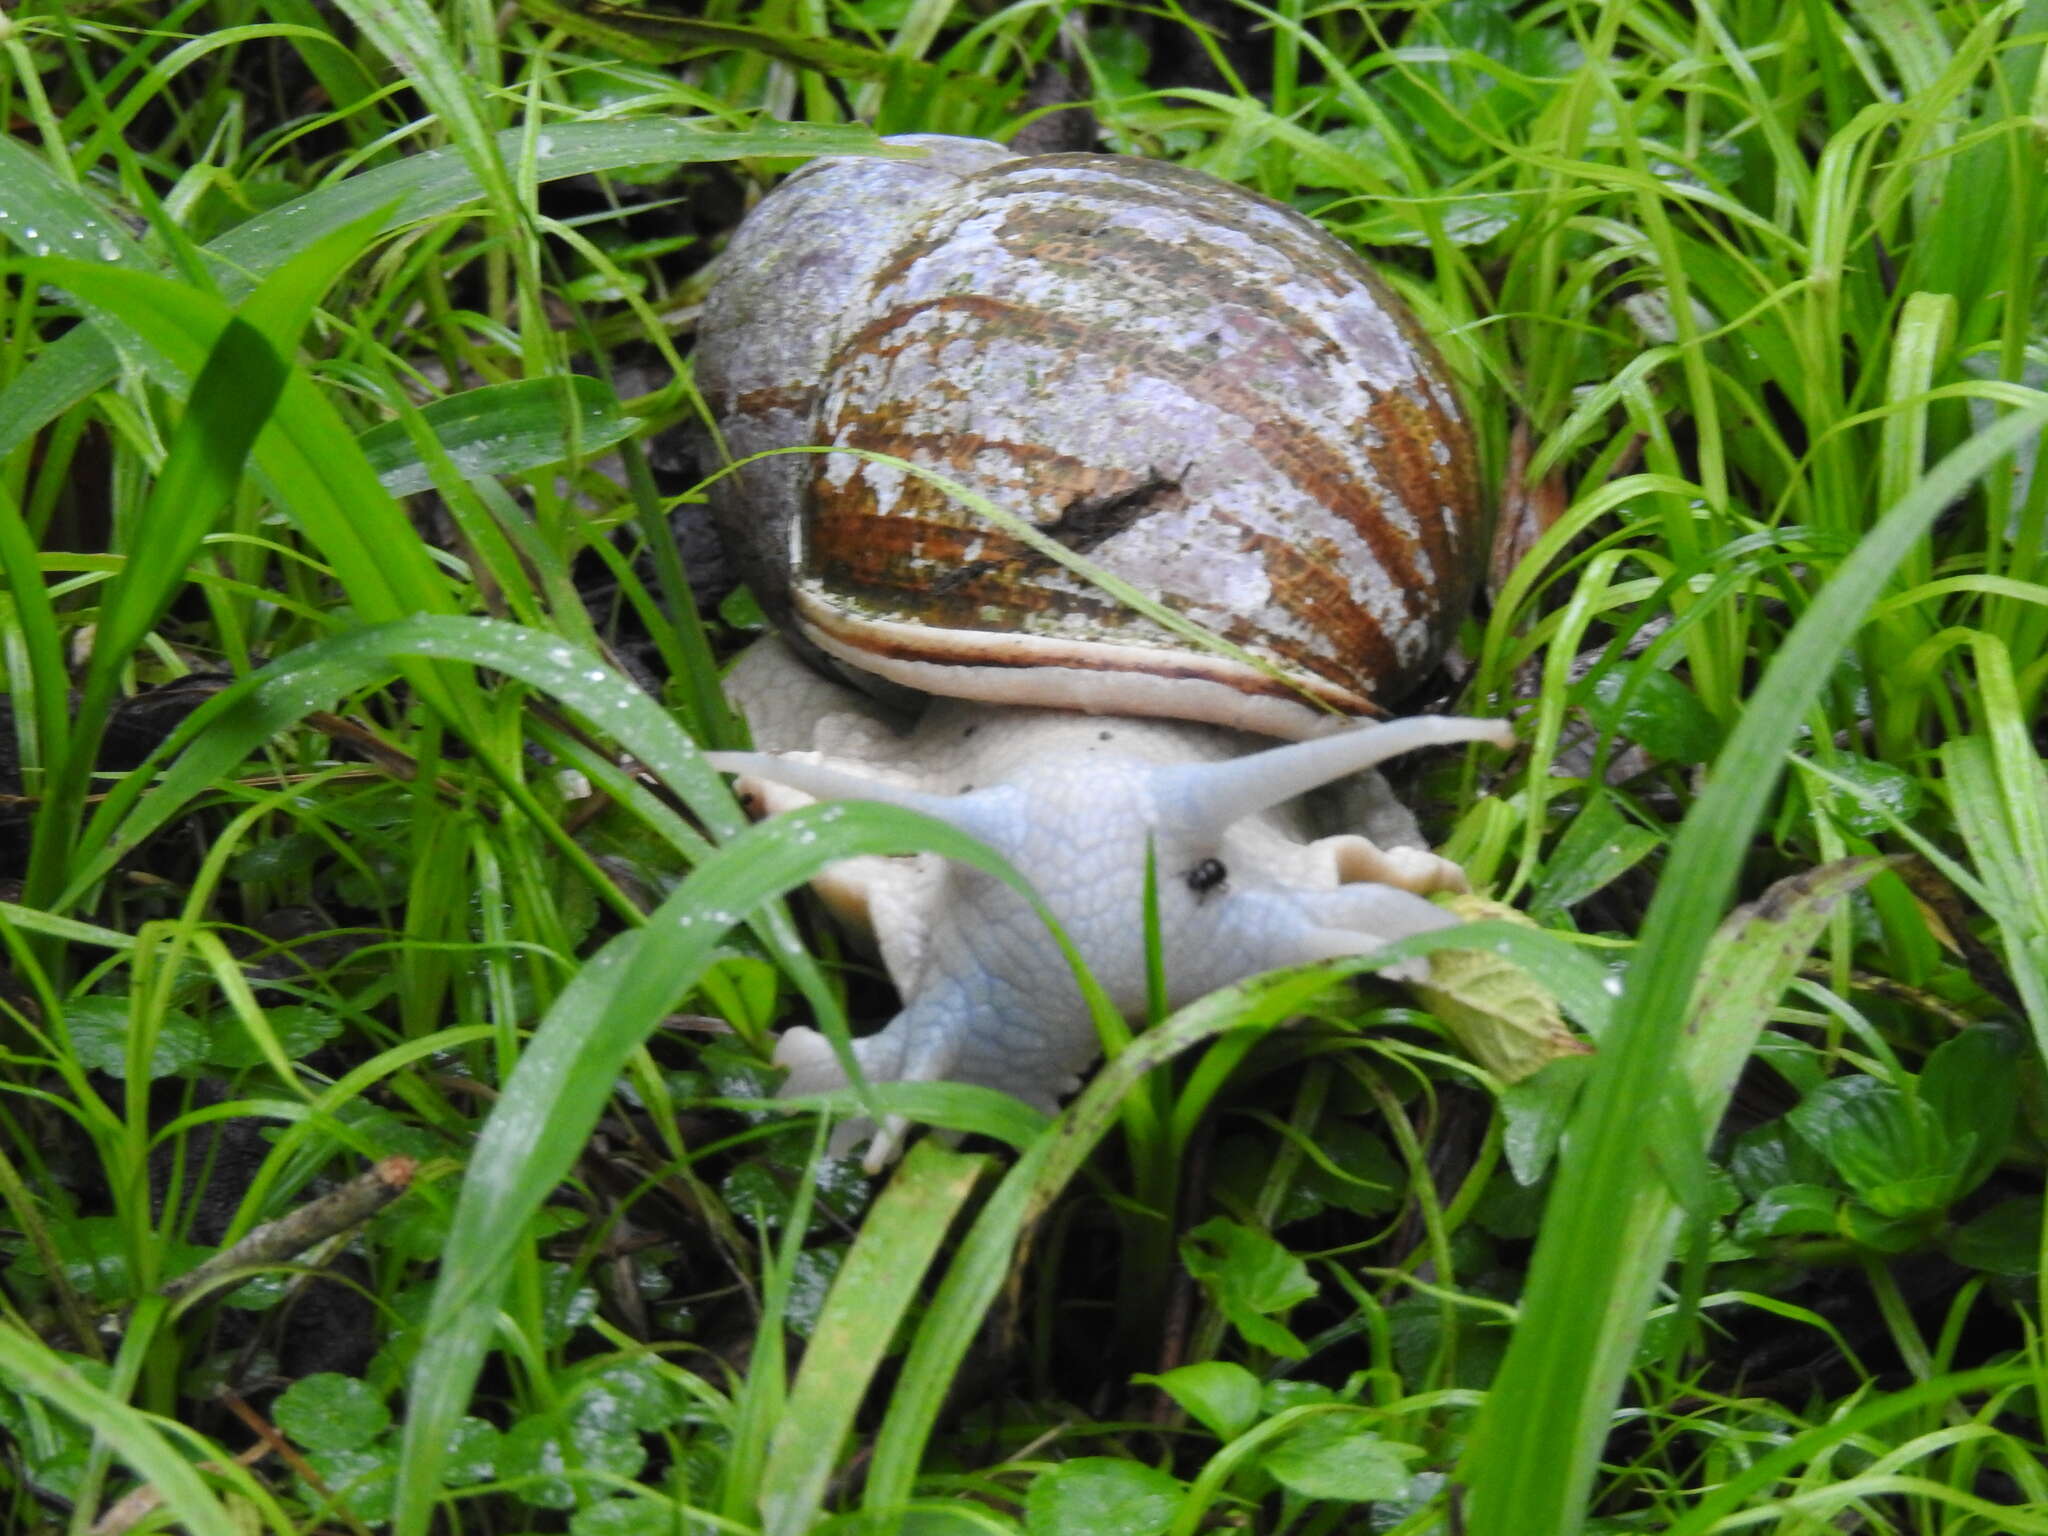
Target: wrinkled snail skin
<point x="1188" y="386"/>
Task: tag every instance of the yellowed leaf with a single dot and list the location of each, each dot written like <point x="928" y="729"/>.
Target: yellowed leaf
<point x="1503" y="1017"/>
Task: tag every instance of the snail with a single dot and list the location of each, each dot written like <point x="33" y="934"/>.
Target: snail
<point x="1194" y="389"/>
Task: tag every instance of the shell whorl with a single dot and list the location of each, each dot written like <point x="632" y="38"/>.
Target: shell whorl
<point x="1189" y="386"/>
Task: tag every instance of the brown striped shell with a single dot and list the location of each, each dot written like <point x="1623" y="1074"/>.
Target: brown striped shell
<point x="1187" y="384"/>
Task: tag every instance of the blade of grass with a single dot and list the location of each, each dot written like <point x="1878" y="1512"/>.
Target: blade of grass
<point x="233" y="397"/>
<point x="876" y="1283"/>
<point x="1530" y="1467"/>
<point x="1746" y="1487"/>
<point x="237" y="387"/>
<point x="502" y="429"/>
<point x="40" y="691"/>
<point x="660" y="37"/>
<point x="317" y="474"/>
<point x="1997" y="788"/>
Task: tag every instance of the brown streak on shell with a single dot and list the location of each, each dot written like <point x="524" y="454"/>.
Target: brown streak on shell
<point x="1202" y="390"/>
<point x="1307" y="585"/>
<point x="1313" y="464"/>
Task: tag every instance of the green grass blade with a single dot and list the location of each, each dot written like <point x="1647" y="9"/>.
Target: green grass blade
<point x="1745" y="1487"/>
<point x="1546" y="1418"/>
<point x="46" y="216"/>
<point x="320" y="479"/>
<point x="232" y="399"/>
<point x="658" y="36"/>
<point x="46" y="687"/>
<point x="502" y="429"/>
<point x="1997" y="788"/>
<point x="874" y="1288"/>
<point x="414" y="39"/>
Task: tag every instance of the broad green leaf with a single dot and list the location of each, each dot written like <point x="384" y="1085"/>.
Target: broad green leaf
<point x="637" y="1390"/>
<point x="1250" y="1277"/>
<point x="2005" y="1240"/>
<point x="1654" y="710"/>
<point x="1791" y="1210"/>
<point x="1350" y="1167"/>
<point x="1337" y="1455"/>
<point x="331" y="1412"/>
<point x="358" y="1480"/>
<point x="101" y="1032"/>
<point x="1599" y="846"/>
<point x="1224" y="1396"/>
<point x="1770" y="1155"/>
<point x="1882" y="1233"/>
<point x="473" y="1450"/>
<point x="1971" y="1083"/>
<point x="550" y="1460"/>
<point x="1892" y="790"/>
<point x="299" y="1029"/>
<point x="1893" y="1152"/>
<point x="1536" y="1110"/>
<point x="1102" y="1495"/>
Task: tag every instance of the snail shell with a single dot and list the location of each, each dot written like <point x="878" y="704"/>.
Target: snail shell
<point x="1190" y="386"/>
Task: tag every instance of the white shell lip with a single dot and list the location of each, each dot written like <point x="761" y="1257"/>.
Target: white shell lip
<point x="1090" y="676"/>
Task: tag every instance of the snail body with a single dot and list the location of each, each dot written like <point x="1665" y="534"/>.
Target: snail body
<point x="1189" y="387"/>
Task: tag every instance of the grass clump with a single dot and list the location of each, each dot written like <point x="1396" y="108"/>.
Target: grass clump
<point x="359" y="646"/>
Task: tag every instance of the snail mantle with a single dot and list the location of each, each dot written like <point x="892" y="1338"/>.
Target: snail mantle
<point x="1197" y="390"/>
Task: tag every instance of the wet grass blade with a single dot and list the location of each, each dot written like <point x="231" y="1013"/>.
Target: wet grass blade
<point x="502" y="429"/>
<point x="232" y="398"/>
<point x="876" y="1283"/>
<point x="1998" y="790"/>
